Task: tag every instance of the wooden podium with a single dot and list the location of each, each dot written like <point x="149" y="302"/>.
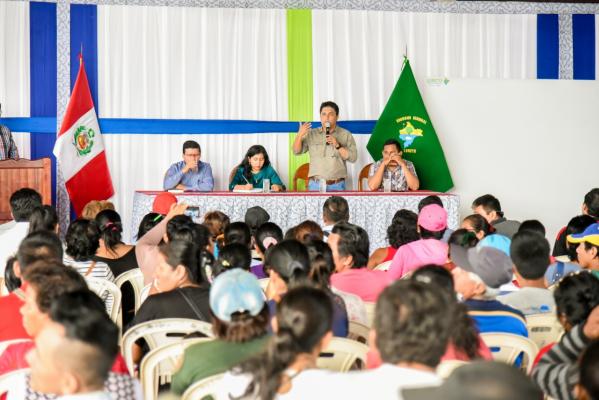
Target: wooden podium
<point x="15" y="175"/>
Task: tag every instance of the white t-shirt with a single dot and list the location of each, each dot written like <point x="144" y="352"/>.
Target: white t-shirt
<point x="10" y="239"/>
<point x="530" y="300"/>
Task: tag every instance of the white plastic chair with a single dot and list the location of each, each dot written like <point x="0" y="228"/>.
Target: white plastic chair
<point x="203" y="388"/>
<point x="341" y="354"/>
<point x="544" y="328"/>
<point x="445" y="368"/>
<point x="370" y="309"/>
<point x="145" y="292"/>
<point x="160" y="332"/>
<point x="10" y="380"/>
<point x="506" y="347"/>
<point x="109" y="292"/>
<point x="358" y="332"/>
<point x="383" y="266"/>
<point x="159" y="365"/>
<point x="136" y="279"/>
<point x="5" y="343"/>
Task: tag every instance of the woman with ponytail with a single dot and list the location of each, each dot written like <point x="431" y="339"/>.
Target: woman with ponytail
<point x="267" y="235"/>
<point x="119" y="256"/>
<point x="478" y="225"/>
<point x="287" y="369"/>
<point x="287" y="264"/>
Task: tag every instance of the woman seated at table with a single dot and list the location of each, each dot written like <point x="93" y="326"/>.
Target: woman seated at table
<point x="252" y="171"/>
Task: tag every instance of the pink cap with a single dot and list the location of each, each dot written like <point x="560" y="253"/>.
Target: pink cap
<point x="162" y="203"/>
<point x="433" y="218"/>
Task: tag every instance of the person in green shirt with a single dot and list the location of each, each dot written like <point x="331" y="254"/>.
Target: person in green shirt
<point x="239" y="320"/>
<point x="252" y="171"/>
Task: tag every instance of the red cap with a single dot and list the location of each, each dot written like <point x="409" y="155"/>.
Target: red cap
<point x="163" y="202"/>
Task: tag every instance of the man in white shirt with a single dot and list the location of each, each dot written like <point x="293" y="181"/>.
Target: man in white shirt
<point x="22" y="204"/>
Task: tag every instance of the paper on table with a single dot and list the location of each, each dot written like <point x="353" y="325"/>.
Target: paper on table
<point x="254" y="190"/>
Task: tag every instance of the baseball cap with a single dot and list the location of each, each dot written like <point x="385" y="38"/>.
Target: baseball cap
<point x="256" y="216"/>
<point x="234" y="291"/>
<point x="162" y="203"/>
<point x="480" y="380"/>
<point x="590" y="234"/>
<point x="433" y="218"/>
<point x="493" y="266"/>
<point x="497" y="241"/>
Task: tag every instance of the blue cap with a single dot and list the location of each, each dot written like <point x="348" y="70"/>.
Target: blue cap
<point x="234" y="291"/>
<point x="590" y="234"/>
<point x="497" y="241"/>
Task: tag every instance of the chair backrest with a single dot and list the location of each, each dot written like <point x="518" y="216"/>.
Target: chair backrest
<point x="506" y="347"/>
<point x="159" y="365"/>
<point x="160" y="332"/>
<point x="301" y="174"/>
<point x="12" y="379"/>
<point x="145" y="292"/>
<point x="136" y="279"/>
<point x="110" y="293"/>
<point x="445" y="368"/>
<point x="358" y="332"/>
<point x="383" y="266"/>
<point x="370" y="307"/>
<point x="5" y="343"/>
<point x="543" y="328"/>
<point x="363" y="175"/>
<point x="203" y="388"/>
<point x="341" y="355"/>
<point x="232" y="174"/>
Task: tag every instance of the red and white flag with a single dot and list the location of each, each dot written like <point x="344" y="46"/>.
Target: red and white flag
<point x="79" y="148"/>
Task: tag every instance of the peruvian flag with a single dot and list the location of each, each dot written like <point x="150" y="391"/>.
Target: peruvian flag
<point x="79" y="148"/>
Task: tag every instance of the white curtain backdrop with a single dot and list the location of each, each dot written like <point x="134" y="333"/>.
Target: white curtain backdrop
<point x="176" y="62"/>
<point x="358" y="56"/>
<point x="14" y="69"/>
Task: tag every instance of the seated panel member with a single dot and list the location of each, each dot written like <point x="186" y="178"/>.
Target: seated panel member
<point x="191" y="173"/>
<point x="392" y="166"/>
<point x="252" y="171"/>
<point x="328" y="152"/>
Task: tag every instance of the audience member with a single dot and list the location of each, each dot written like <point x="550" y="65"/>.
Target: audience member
<point x="43" y="218"/>
<point x="254" y="169"/>
<point x="92" y="208"/>
<point x="287" y="265"/>
<point x="590" y="208"/>
<point x="238" y="232"/>
<point x="217" y="222"/>
<point x="434" y="199"/>
<point x="489" y="207"/>
<point x="83" y="240"/>
<point x="190" y="173"/>
<point x="22" y="203"/>
<point x="232" y="256"/>
<point x="403" y="230"/>
<point x="267" y="235"/>
<point x="163" y="203"/>
<point x="463" y="238"/>
<point x="530" y="255"/>
<point x="11" y="280"/>
<point x="401" y="173"/>
<point x="587" y="252"/>
<point x="588" y="385"/>
<point x="239" y="319"/>
<point x="533" y="225"/>
<point x="349" y="244"/>
<point x="255" y="217"/>
<point x="335" y="209"/>
<point x="477" y="224"/>
<point x="432" y="222"/>
<point x="308" y="231"/>
<point x="148" y="221"/>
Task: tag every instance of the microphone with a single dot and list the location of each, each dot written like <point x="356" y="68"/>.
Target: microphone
<point x="327" y="127"/>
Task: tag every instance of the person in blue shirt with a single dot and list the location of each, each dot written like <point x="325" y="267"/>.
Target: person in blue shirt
<point x="191" y="173"/>
<point x="252" y="171"/>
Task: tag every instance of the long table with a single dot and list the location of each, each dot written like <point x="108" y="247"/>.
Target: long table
<point x="373" y="211"/>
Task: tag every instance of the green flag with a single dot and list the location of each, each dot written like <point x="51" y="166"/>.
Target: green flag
<point x="405" y="118"/>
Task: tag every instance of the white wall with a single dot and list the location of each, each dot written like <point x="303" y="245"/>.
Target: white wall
<point x="531" y="143"/>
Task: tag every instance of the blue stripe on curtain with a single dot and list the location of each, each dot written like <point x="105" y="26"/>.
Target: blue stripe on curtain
<point x="547" y="46"/>
<point x="84" y="35"/>
<point x="583" y="37"/>
<point x="43" y="77"/>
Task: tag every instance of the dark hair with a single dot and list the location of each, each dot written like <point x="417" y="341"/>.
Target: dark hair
<point x="307" y="231"/>
<point x="533" y="225"/>
<point x="185" y="253"/>
<point x="290" y="260"/>
<point x="426" y="234"/>
<point x="412" y="323"/>
<point x="463" y="331"/>
<point x="51" y="281"/>
<point x="238" y="232"/>
<point x="43" y="218"/>
<point x="84" y="318"/>
<point x="322" y="265"/>
<point x="489" y="203"/>
<point x="576" y="295"/>
<point x="304" y="316"/>
<point x="39" y="246"/>
<point x="428" y="200"/>
<point x="82" y="239"/>
<point x="393" y="142"/>
<point x="588" y="246"/>
<point x="149" y="221"/>
<point x="479" y="223"/>
<point x="463" y="237"/>
<point x="243" y="326"/>
<point x="191" y="144"/>
<point x="11" y="281"/>
<point x="403" y="228"/>
<point x="329" y="104"/>
<point x="23" y="202"/>
<point x="234" y="255"/>
<point x="591" y="200"/>
<point x="265" y="231"/>
<point x="589" y="370"/>
<point x="179" y="227"/>
<point x="353" y="241"/>
<point x="245" y="163"/>
<point x="530" y="254"/>
<point x="111" y="228"/>
<point x="336" y="209"/>
<point x="576" y="225"/>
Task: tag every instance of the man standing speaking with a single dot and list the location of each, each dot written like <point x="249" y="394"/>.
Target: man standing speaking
<point x="329" y="147"/>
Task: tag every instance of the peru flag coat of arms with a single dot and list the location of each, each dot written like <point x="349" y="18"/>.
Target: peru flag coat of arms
<point x="79" y="148"/>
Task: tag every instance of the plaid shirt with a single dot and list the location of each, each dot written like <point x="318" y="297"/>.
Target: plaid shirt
<point x="8" y="149"/>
